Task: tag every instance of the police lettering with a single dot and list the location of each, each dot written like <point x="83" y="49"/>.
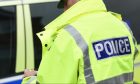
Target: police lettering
<point x="112" y="47"/>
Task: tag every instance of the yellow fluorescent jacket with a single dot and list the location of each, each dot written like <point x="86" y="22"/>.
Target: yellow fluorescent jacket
<point x="86" y="44"/>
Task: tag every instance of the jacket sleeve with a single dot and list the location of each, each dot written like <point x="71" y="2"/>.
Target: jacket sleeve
<point x="137" y="52"/>
<point x="60" y="64"/>
<point x="29" y="80"/>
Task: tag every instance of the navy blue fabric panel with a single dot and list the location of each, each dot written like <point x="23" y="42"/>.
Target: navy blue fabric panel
<point x="14" y="82"/>
<point x="111" y="47"/>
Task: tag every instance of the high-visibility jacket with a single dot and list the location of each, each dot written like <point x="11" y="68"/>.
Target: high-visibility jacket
<point x="86" y="44"/>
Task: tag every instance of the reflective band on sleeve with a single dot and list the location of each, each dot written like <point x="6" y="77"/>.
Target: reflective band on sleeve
<point x="84" y="47"/>
<point x="31" y="80"/>
<point x="121" y="79"/>
<point x="137" y="64"/>
<point x="134" y="40"/>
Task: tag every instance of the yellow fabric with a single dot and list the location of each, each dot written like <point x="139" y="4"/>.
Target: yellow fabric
<point x="67" y="17"/>
<point x="137" y="59"/>
<point x="25" y="80"/>
<point x="137" y="68"/>
<point x="98" y="30"/>
<point x="62" y="60"/>
<point x="29" y="80"/>
<point x="137" y="74"/>
<point x="52" y="29"/>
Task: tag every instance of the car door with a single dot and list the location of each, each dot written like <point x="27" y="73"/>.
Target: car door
<point x="20" y="48"/>
<point x="12" y="41"/>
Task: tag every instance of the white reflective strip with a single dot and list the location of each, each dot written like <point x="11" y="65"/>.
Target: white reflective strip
<point x="137" y="65"/>
<point x="121" y="79"/>
<point x="84" y="48"/>
<point x="10" y="79"/>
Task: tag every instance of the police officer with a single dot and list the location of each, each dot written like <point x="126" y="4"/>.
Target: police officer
<point x="86" y="44"/>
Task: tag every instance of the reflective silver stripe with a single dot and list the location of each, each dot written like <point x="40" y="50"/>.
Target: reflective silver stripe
<point x="31" y="79"/>
<point x="84" y="47"/>
<point x="121" y="79"/>
<point x="137" y="65"/>
<point x="134" y="40"/>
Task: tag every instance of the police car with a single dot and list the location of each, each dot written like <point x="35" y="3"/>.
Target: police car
<point x="20" y="48"/>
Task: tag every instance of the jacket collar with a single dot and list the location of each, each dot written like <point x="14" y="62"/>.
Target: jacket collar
<point x="81" y="7"/>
